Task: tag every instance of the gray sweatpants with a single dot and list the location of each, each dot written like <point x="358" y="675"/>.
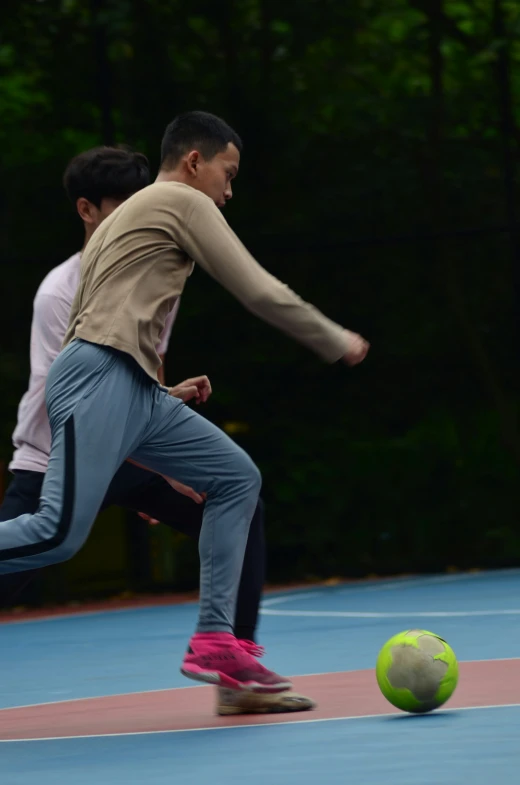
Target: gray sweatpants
<point x="103" y="408"/>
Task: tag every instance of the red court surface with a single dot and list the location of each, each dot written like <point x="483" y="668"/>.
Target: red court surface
<point x="339" y="695"/>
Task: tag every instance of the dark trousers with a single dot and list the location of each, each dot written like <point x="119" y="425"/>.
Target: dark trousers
<point x="138" y="490"/>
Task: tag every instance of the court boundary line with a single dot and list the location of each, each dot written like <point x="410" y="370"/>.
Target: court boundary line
<point x="257" y="725"/>
<point x="202" y="686"/>
<point x="391" y="615"/>
<point x="363" y="585"/>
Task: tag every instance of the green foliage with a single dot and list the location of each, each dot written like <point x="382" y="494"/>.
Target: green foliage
<point x="373" y="183"/>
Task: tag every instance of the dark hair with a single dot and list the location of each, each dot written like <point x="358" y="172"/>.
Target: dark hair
<point x="106" y="173"/>
<point x="196" y="130"/>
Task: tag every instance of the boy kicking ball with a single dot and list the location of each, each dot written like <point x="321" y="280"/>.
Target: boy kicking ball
<point x="105" y="404"/>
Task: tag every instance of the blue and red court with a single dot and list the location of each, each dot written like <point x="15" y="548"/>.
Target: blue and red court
<point x="97" y="697"/>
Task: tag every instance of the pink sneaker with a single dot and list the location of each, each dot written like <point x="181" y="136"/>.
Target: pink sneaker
<point x="218" y="658"/>
<point x="251" y="647"/>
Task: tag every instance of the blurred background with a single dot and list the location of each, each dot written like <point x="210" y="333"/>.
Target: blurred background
<point x="379" y="180"/>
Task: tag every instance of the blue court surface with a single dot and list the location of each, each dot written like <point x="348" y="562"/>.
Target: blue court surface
<point x="311" y="633"/>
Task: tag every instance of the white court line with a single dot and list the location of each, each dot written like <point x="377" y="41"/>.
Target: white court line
<point x="289" y="596"/>
<point x="200" y="686"/>
<point x="102" y="697"/>
<point x="391" y="585"/>
<point x="256" y="725"/>
<point x="352" y="588"/>
<point x="397" y="615"/>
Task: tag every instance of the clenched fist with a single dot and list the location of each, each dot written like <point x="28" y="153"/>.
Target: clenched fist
<point x="198" y="388"/>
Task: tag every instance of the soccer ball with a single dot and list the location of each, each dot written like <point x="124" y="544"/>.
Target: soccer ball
<point x="417" y="671"/>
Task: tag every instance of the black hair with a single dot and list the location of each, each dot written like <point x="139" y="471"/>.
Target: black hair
<point x="205" y="132"/>
<point x="106" y="173"/>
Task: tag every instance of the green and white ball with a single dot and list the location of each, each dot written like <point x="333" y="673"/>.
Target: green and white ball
<point x="417" y="671"/>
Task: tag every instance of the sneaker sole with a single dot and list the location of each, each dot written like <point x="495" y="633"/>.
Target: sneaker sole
<point x="225" y="711"/>
<point x="223" y="680"/>
<point x="281" y="704"/>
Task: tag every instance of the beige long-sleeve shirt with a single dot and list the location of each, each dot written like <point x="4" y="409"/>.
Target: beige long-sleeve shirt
<point x="136" y="264"/>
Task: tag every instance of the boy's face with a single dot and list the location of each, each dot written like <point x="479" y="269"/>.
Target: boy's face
<point x="214" y="177"/>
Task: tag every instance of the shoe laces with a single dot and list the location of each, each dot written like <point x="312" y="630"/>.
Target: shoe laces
<point x="251" y="648"/>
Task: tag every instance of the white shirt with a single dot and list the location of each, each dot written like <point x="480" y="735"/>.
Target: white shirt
<point x="51" y="311"/>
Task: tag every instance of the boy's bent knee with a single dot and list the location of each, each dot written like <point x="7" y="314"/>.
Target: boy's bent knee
<point x="250" y="473"/>
<point x="256" y="478"/>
